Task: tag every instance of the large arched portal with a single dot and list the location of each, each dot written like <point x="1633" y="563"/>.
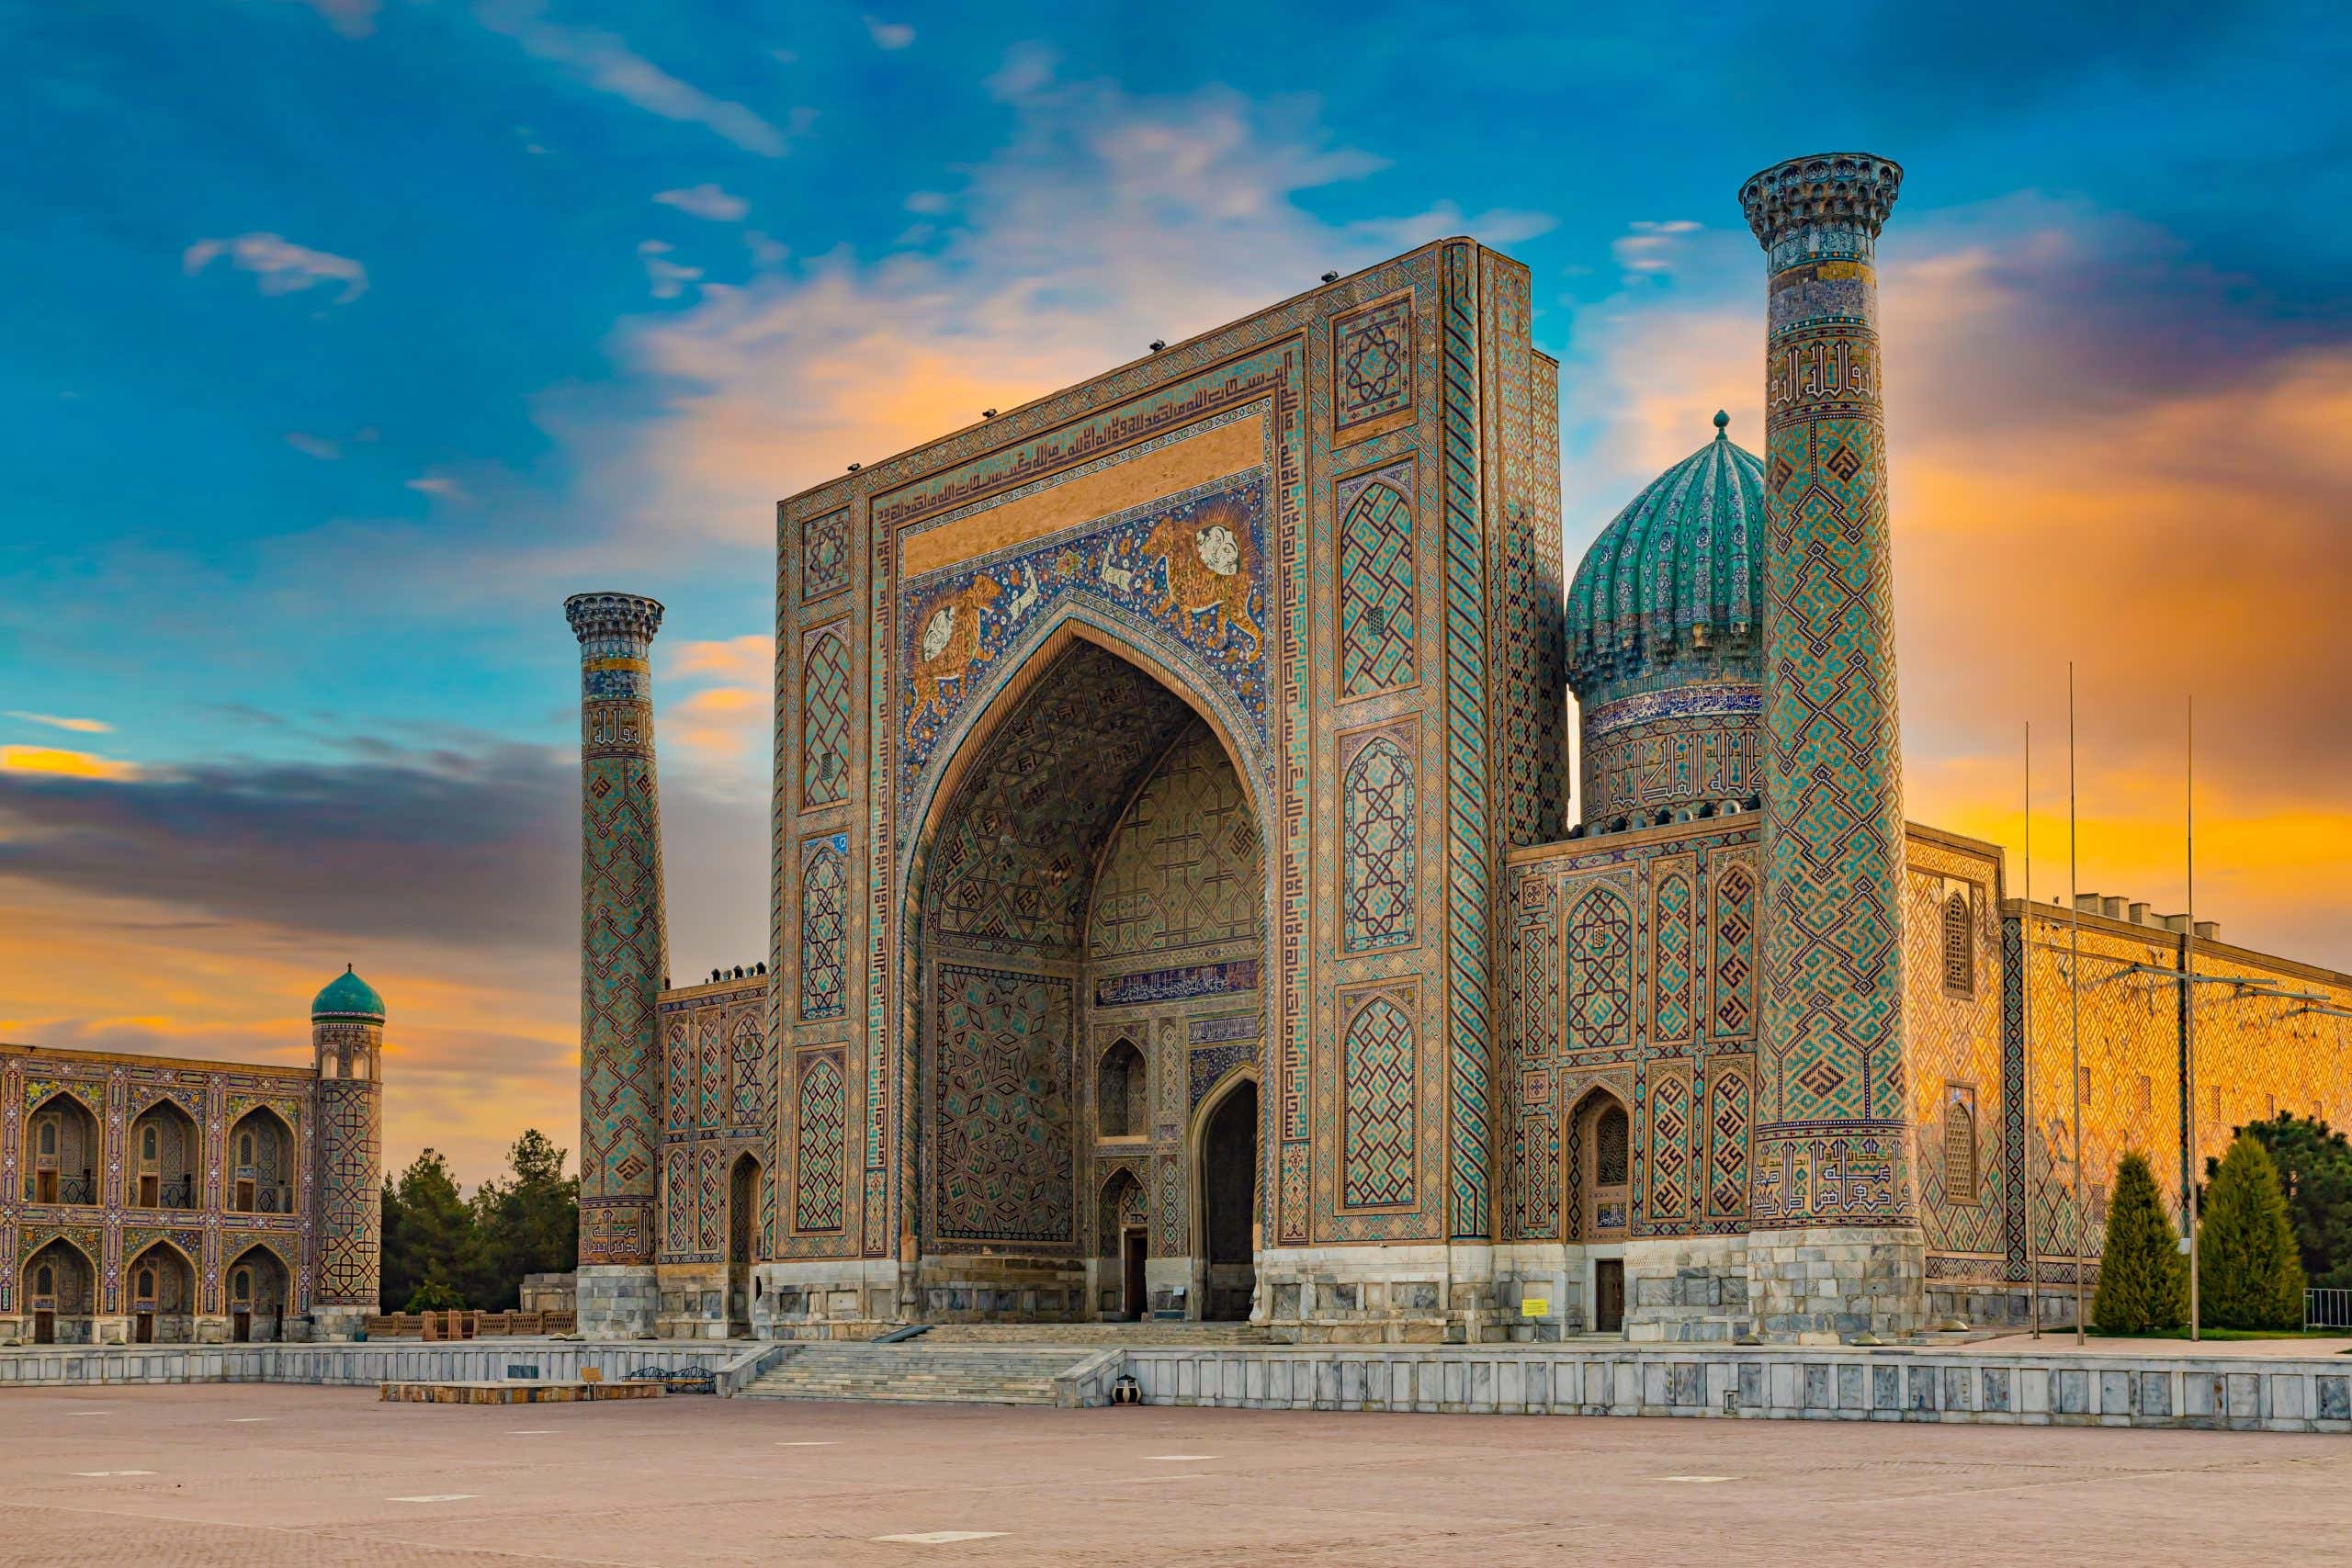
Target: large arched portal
<point x="1089" y="919"/>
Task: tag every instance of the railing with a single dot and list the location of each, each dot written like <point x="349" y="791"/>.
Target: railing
<point x="180" y="1194"/>
<point x="81" y="1189"/>
<point x="267" y="1201"/>
<point x="2327" y="1309"/>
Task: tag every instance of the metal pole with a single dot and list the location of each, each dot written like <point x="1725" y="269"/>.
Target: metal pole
<point x="2189" y="1018"/>
<point x="2025" y="1039"/>
<point x="2075" y="985"/>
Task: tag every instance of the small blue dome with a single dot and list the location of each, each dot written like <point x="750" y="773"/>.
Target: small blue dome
<point x="1672" y="592"/>
<point x="347" y="996"/>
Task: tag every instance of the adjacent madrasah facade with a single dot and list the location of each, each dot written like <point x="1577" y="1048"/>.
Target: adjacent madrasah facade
<point x="148" y="1200"/>
<point x="1176" y="912"/>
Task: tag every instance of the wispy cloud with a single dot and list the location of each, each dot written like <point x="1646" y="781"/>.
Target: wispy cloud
<point x="441" y="487"/>
<point x="280" y="266"/>
<point x="604" y="62"/>
<point x="1649" y="248"/>
<point x="58" y="763"/>
<point x="706" y="200"/>
<point x="317" y="446"/>
<point x="352" y="18"/>
<point x="668" y="278"/>
<point x="79" y="726"/>
<point x="889" y="35"/>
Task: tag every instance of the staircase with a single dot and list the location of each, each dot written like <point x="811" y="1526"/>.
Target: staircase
<point x="973" y="1363"/>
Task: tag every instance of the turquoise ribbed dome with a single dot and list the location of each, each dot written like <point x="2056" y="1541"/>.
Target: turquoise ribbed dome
<point x="347" y="996"/>
<point x="1672" y="592"/>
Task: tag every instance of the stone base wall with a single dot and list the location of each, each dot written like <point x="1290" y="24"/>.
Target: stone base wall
<point x="551" y="1292"/>
<point x="336" y="1323"/>
<point x="973" y="1288"/>
<point x="1819" y="1286"/>
<point x="618" y="1301"/>
<point x="692" y="1301"/>
<point x="1692" y="1290"/>
<point x="378" y="1362"/>
<point x="2007" y="1306"/>
<point x="2284" y="1394"/>
<point x="1373" y="1295"/>
<point x="828" y="1298"/>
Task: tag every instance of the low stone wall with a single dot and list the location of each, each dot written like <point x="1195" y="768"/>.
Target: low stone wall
<point x="348" y="1365"/>
<point x="2287" y="1394"/>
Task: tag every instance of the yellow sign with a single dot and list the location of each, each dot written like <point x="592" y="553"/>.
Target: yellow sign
<point x="1535" y="1306"/>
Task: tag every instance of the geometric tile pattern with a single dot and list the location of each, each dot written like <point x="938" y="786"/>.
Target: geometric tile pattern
<point x="1730" y="1123"/>
<point x="821" y="1148"/>
<point x="1377" y="811"/>
<point x="350" y="1198"/>
<point x="1377" y="1136"/>
<point x="1735" y="939"/>
<point x="1185" y="868"/>
<point x="824" y="718"/>
<point x="1671" y="1019"/>
<point x="824" y="920"/>
<point x="1835" y="1144"/>
<point x="824" y="556"/>
<point x="1601" y="969"/>
<point x="1002" y="1127"/>
<point x="1378" y="607"/>
<point x="1371" y="363"/>
<point x="1668" y="1196"/>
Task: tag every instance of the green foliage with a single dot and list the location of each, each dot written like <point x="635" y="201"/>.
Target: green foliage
<point x="2142" y="1279"/>
<point x="2315" y="1171"/>
<point x="441" y="1250"/>
<point x="2249" y="1273"/>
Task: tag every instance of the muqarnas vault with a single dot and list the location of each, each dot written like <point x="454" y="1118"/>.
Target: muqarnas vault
<point x="1176" y="913"/>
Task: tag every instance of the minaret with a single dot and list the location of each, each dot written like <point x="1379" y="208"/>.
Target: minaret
<point x="347" y="1043"/>
<point x="623" y="954"/>
<point x="1833" y="1178"/>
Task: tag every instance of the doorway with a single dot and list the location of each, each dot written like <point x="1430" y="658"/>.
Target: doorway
<point x="1134" y="1299"/>
<point x="241" y="1326"/>
<point x="1229" y="1204"/>
<point x="1608" y="1295"/>
<point x="44" y="1327"/>
<point x="742" y="1228"/>
<point x="142" y="1328"/>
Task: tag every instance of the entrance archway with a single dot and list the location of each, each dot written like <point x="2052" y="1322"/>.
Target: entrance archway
<point x="1086" y="909"/>
<point x="257" y="1292"/>
<point x="1225" y="1240"/>
<point x="59" y="1286"/>
<point x="742" y="1251"/>
<point x="159" y="1290"/>
<point x="1599" y="1158"/>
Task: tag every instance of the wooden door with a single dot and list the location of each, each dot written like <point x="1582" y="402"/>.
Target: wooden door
<point x="241" y="1327"/>
<point x="1608" y="1295"/>
<point x="149" y="1191"/>
<point x="45" y="1187"/>
<point x="44" y="1327"/>
<point x="1132" y="1301"/>
<point x="143" y="1330"/>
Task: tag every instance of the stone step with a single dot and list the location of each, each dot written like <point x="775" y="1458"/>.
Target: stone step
<point x="946" y="1374"/>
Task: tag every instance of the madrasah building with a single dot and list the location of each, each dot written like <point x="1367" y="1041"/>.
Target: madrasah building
<point x="1176" y="910"/>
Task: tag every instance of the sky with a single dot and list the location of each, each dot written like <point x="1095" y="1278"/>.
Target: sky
<point x="345" y="338"/>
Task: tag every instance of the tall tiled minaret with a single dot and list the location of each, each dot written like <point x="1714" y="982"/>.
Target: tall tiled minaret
<point x="623" y="954"/>
<point x="1833" y="1180"/>
<point x="347" y="1044"/>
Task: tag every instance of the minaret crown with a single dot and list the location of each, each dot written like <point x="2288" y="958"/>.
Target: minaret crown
<point x="1853" y="190"/>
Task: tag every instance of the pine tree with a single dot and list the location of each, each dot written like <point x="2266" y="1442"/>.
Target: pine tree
<point x="429" y="1234"/>
<point x="2314" y="1165"/>
<point x="2250" y="1275"/>
<point x="2143" y="1284"/>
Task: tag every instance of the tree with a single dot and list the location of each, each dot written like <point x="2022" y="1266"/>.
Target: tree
<point x="2315" y="1171"/>
<point x="529" y="1223"/>
<point x="2249" y="1273"/>
<point x="2143" y="1284"/>
<point x="429" y="1234"/>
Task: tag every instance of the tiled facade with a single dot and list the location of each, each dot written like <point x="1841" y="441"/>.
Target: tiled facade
<point x="1174" y="909"/>
<point x="148" y="1199"/>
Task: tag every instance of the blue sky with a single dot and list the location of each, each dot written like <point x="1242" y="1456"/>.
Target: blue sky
<point x="347" y="336"/>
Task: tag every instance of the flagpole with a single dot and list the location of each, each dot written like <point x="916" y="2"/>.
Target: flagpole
<point x="2075" y="985"/>
<point x="2025" y="1040"/>
<point x="2189" y="1015"/>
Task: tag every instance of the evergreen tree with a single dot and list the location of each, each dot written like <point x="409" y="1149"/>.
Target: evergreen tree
<point x="2249" y="1273"/>
<point x="429" y="1234"/>
<point x="2315" y="1171"/>
<point x="2142" y="1279"/>
<point x="530" y="1222"/>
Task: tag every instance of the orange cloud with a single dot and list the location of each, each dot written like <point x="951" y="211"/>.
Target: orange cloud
<point x="79" y="726"/>
<point x="747" y="661"/>
<point x="70" y="764"/>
